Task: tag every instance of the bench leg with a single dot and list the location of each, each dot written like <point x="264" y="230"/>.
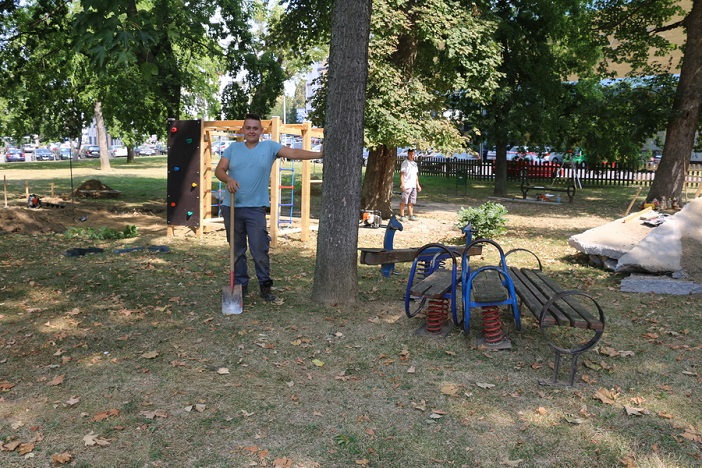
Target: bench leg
<point x="557" y="367"/>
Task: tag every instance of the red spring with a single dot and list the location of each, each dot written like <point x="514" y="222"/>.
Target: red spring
<point x="492" y="325"/>
<point x="437" y="315"/>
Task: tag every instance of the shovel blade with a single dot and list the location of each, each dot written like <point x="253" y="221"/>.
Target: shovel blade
<point x="232" y="301"/>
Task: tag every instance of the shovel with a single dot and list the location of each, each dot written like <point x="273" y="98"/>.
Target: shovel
<point x="231" y="295"/>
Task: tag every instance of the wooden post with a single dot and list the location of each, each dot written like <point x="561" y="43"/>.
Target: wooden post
<point x="306" y="190"/>
<point x="26" y="189"/>
<point x="52" y="190"/>
<point x="4" y="187"/>
<point x="275" y="186"/>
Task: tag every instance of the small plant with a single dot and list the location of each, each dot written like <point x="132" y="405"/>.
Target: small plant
<point x="488" y="220"/>
<point x="103" y="233"/>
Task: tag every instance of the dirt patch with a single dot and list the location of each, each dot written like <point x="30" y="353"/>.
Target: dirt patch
<point x="46" y="220"/>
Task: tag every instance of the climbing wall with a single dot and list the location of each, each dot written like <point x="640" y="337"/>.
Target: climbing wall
<point x="183" y="200"/>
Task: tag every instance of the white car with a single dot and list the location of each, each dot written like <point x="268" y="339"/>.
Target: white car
<point x="118" y="151"/>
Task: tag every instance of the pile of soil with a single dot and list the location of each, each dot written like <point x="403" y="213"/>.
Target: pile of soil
<point x="93" y="188"/>
<point x="30" y="220"/>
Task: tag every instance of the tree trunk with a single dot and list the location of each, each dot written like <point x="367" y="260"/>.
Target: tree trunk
<point x="102" y="138"/>
<point x="130" y="154"/>
<point x="335" y="278"/>
<point x="680" y="135"/>
<point x="377" y="184"/>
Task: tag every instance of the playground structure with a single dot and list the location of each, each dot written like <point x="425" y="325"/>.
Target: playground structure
<point x="190" y="173"/>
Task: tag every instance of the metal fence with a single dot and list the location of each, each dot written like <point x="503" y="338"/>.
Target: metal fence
<point x="584" y="174"/>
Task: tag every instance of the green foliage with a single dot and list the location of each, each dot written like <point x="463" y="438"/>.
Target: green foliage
<point x="103" y="233"/>
<point x="488" y="220"/>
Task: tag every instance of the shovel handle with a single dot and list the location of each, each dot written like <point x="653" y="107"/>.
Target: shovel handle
<point x="231" y="239"/>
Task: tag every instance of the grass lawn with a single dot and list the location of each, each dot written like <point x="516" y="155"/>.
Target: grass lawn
<point x="126" y="360"/>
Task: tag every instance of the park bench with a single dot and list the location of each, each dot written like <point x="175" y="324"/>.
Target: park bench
<point x="554" y="306"/>
<point x="525" y="187"/>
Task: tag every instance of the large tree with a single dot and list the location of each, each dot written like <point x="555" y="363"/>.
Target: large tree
<point x="543" y="43"/>
<point x="634" y="32"/>
<point x="420" y="51"/>
<point x="335" y="272"/>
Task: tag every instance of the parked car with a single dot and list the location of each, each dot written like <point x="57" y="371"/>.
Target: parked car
<point x="44" y="154"/>
<point x="14" y="155"/>
<point x="91" y="151"/>
<point x="65" y="153"/>
<point x="557" y="157"/>
<point x="118" y="151"/>
<point x="145" y="150"/>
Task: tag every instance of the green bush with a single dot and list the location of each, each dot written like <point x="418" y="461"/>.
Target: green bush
<point x="488" y="220"/>
<point x="103" y="233"/>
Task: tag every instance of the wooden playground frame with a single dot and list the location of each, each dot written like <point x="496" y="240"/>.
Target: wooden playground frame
<point x="275" y="128"/>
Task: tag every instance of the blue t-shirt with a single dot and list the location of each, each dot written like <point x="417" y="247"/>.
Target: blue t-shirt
<point x="252" y="169"/>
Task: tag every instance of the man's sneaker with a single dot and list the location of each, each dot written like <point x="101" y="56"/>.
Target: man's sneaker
<point x="413" y="218"/>
<point x="402" y="218"/>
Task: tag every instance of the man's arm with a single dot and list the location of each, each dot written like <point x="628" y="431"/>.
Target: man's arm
<point x="221" y="173"/>
<point x="300" y="154"/>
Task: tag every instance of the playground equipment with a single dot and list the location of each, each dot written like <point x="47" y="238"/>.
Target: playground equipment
<point x="190" y="172"/>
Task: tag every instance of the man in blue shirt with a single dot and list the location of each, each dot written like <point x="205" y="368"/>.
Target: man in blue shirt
<point x="245" y="168"/>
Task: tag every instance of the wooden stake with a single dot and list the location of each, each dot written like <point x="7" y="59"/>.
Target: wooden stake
<point x="52" y="190"/>
<point x="26" y="189"/>
<point x="632" y="202"/>
<point x="4" y="187"/>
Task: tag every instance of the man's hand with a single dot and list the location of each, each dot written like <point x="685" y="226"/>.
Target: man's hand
<point x="419" y="188"/>
<point x="232" y="185"/>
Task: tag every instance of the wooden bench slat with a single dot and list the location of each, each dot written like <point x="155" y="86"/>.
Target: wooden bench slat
<point x="532" y="297"/>
<point x="535" y="288"/>
<point x="435" y="285"/>
<point x="586" y="319"/>
<point x="562" y="317"/>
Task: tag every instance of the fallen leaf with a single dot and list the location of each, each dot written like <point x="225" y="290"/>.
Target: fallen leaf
<point x="436" y="415"/>
<point x="222" y="371"/>
<point x="511" y="462"/>
<point x="421" y="406"/>
<point x="150" y="355"/>
<point x="11" y="446"/>
<point x="665" y="415"/>
<point x="536" y="365"/>
<point x="154" y="414"/>
<point x="61" y="458"/>
<point x="541" y="410"/>
<point x="317" y="362"/>
<point x="363" y="462"/>
<point x="631" y="411"/>
<point x="628" y="461"/>
<point x="694" y="374"/>
<point x="606" y="396"/>
<point x="449" y="389"/>
<point x="200" y="408"/>
<point x="5" y="385"/>
<point x="573" y="420"/>
<point x="73" y="401"/>
<point x="691" y="434"/>
<point x="58" y="380"/>
<point x="651" y="336"/>
<point x="626" y="353"/>
<point x="607" y="351"/>
<point x="484" y="385"/>
<point x="93" y="439"/>
<point x="411" y="370"/>
<point x="283" y="462"/>
<point x="24" y="449"/>
<point x="591" y="365"/>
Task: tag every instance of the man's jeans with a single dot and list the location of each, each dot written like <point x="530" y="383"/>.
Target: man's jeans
<point x="249" y="223"/>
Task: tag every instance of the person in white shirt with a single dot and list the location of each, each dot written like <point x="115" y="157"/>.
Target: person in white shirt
<point x="409" y="186"/>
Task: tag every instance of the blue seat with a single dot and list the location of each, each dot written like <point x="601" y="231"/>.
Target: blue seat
<point x="486" y="286"/>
